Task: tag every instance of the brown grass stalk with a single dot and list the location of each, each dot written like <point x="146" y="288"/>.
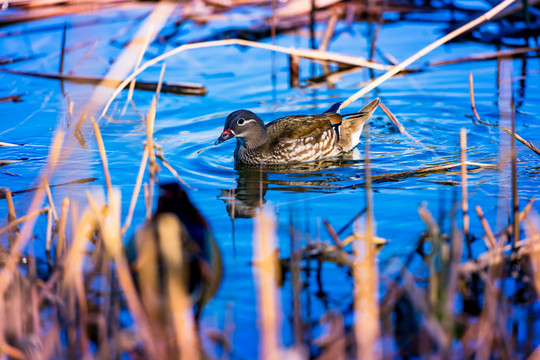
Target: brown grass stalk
<point x="50" y="198"/>
<point x="472" y="24"/>
<point x="113" y="242"/>
<point x="491" y="243"/>
<point x="485" y="56"/>
<point x="268" y="305"/>
<point x="60" y="244"/>
<point x="525" y="142"/>
<point x="136" y="190"/>
<point x="170" y="241"/>
<point x="23" y="219"/>
<point x="366" y="304"/>
<point x="103" y="155"/>
<point x="464" y="190"/>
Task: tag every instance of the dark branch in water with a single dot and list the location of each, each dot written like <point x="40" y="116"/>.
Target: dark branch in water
<point x="180" y="89"/>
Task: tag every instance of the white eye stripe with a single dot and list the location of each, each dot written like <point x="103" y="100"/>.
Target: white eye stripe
<point x="243" y="121"/>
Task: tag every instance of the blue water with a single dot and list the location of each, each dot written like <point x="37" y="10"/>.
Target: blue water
<point x="432" y="105"/>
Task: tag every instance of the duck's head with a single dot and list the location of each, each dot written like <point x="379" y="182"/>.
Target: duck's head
<point x="246" y="126"/>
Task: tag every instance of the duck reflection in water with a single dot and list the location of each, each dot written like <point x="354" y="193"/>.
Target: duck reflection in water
<point x="254" y="181"/>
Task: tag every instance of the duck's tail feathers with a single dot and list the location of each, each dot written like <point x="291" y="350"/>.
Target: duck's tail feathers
<point x="351" y="128"/>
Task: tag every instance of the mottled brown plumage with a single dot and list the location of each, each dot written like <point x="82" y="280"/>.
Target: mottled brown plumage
<point x="297" y="138"/>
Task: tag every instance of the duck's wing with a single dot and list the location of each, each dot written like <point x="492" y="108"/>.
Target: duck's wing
<point x="302" y="126"/>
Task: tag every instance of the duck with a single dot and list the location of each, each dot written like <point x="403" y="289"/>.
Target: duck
<point x="176" y="226"/>
<point x="296" y="138"/>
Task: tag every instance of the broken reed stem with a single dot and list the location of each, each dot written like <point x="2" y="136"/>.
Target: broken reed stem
<point x="50" y="198"/>
<point x="103" y="155"/>
<point x="329" y="31"/>
<point x="472" y="24"/>
<point x="464" y="193"/>
<point x="22" y="219"/>
<point x="160" y="81"/>
<point x="515" y="196"/>
<point x="525" y="142"/>
<point x="170" y="233"/>
<point x="146" y="41"/>
<point x="304" y="53"/>
<point x="491" y="243"/>
<point x="171" y="169"/>
<point x="60" y="244"/>
<point x="267" y="303"/>
<point x="471" y="93"/>
<point x="366" y="308"/>
<point x="48" y="231"/>
<point x="136" y="190"/>
<point x="24" y="235"/>
<point x="152" y="167"/>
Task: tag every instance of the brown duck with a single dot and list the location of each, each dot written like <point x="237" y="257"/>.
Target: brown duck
<point x="293" y="139"/>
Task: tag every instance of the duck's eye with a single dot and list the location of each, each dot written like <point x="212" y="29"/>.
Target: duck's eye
<point x="241" y="121"/>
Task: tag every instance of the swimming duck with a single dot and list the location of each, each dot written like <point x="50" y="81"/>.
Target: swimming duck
<point x="296" y="138"/>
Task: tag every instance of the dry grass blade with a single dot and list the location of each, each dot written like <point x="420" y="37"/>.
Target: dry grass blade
<point x="60" y="245"/>
<point x="103" y="156"/>
<point x="488" y="15"/>
<point x="366" y="282"/>
<point x="174" y="88"/>
<point x="22" y="219"/>
<point x="429" y="169"/>
<point x="269" y="318"/>
<point x="491" y="243"/>
<point x="136" y="190"/>
<point x="170" y="241"/>
<point x="486" y="56"/>
<point x="464" y="193"/>
<point x="527" y="143"/>
<point x="24" y="235"/>
<point x="50" y="198"/>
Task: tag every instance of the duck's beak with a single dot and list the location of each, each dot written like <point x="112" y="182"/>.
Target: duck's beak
<point x="225" y="135"/>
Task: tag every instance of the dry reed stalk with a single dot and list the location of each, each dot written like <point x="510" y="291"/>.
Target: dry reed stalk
<point x="464" y="190"/>
<point x="504" y="84"/>
<point x="113" y="243"/>
<point x="294" y="71"/>
<point x="269" y="313"/>
<point x="160" y="81"/>
<point x="147" y="203"/>
<point x="170" y="233"/>
<point x="532" y="233"/>
<point x="372" y="85"/>
<point x="12" y="215"/>
<point x="136" y="190"/>
<point x="486" y="56"/>
<point x="491" y="243"/>
<point x="515" y="196"/>
<point x="366" y="302"/>
<point x="395" y="121"/>
<point x="60" y="244"/>
<point x="6" y="144"/>
<point x="145" y="43"/>
<point x="49" y="231"/>
<point x="103" y="155"/>
<point x="23" y="219"/>
<point x="525" y="142"/>
<point x="304" y="53"/>
<point x="50" y="198"/>
<point x="159" y="155"/>
<point x="430" y="169"/>
<point x="329" y="31"/>
<point x="153" y="167"/>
